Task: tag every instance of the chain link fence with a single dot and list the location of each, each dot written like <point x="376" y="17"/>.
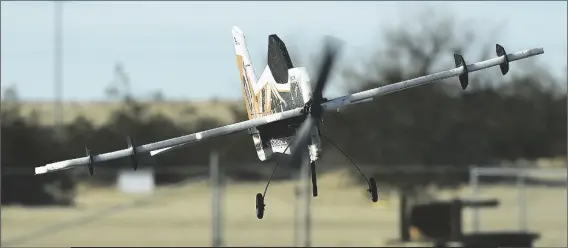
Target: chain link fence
<point x="196" y="211"/>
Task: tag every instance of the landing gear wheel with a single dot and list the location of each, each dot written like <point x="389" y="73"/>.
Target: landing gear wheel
<point x="373" y="190"/>
<point x="260" y="206"/>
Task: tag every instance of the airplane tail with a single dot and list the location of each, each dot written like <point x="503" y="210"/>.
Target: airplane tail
<point x="246" y="71"/>
<point x="278" y="88"/>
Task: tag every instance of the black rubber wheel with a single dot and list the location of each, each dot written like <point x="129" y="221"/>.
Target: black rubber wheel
<point x="259" y="206"/>
<point x="373" y="190"/>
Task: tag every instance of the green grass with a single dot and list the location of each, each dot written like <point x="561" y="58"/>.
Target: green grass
<point x="181" y="216"/>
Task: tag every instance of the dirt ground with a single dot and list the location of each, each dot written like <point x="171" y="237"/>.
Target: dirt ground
<point x="181" y="216"/>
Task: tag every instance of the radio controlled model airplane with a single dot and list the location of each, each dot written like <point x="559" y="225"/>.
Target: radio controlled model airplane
<point x="284" y="111"/>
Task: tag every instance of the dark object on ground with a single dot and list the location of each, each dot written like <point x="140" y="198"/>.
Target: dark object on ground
<point x="499" y="239"/>
<point x="442" y="220"/>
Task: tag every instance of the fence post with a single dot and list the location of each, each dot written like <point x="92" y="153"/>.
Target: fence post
<point x="297" y="208"/>
<point x="216" y="200"/>
<point x="522" y="202"/>
<point x="305" y="180"/>
<point x="473" y="185"/>
<point x="403" y="214"/>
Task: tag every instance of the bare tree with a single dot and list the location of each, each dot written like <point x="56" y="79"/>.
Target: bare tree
<point x="119" y="87"/>
<point x="419" y="46"/>
<point x="10" y="103"/>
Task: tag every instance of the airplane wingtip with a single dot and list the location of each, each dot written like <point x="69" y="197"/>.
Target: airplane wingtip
<point x="40" y="170"/>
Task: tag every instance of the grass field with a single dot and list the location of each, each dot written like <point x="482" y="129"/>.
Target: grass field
<point x="181" y="216"/>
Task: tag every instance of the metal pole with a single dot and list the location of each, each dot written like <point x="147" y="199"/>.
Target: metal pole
<point x="305" y="171"/>
<point x="58" y="68"/>
<point x="403" y="214"/>
<point x="522" y="201"/>
<point x="297" y="207"/>
<point x="473" y="184"/>
<point x="216" y="201"/>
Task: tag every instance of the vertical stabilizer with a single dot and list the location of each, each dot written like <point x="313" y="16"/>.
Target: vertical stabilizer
<point x="246" y="71"/>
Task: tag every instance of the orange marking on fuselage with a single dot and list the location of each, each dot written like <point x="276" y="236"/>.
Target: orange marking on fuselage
<point x="246" y="87"/>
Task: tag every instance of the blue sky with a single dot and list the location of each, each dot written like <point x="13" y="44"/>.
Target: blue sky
<point x="184" y="49"/>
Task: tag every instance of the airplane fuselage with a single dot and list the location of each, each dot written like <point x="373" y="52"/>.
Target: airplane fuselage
<point x="277" y="136"/>
<point x="280" y="87"/>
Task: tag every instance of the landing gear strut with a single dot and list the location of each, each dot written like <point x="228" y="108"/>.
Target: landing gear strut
<point x="371" y="182"/>
<point x="314" y="178"/>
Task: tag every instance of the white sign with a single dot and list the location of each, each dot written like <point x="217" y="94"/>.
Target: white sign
<point x="136" y="182"/>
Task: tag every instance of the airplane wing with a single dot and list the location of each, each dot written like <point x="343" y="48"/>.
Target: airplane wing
<point x="462" y="70"/>
<point x="132" y="150"/>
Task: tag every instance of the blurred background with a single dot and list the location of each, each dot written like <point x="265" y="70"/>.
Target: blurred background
<point x="487" y="163"/>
